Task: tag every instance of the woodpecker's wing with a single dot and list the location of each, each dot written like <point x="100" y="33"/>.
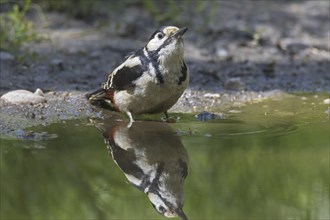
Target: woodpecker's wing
<point x="127" y="162"/>
<point x="122" y="78"/>
<point x="124" y="75"/>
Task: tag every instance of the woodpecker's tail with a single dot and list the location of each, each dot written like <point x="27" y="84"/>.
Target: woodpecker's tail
<point x="102" y="98"/>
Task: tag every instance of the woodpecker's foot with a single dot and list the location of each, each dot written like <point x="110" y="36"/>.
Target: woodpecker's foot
<point x="170" y="119"/>
<point x="131" y="120"/>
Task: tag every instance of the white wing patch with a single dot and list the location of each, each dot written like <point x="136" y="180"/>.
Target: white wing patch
<point x="129" y="63"/>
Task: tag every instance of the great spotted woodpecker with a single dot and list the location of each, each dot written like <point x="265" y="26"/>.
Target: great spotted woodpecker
<point x="150" y="80"/>
<point x="153" y="159"/>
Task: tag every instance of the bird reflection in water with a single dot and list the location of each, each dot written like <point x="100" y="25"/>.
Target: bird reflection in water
<point x="153" y="160"/>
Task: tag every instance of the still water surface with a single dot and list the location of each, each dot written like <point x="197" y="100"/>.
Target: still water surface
<point x="266" y="160"/>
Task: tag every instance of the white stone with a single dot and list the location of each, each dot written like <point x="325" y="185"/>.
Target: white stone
<point x="234" y="111"/>
<point x="39" y="92"/>
<point x="222" y="53"/>
<point x="22" y="97"/>
<point x="326" y="101"/>
<point x="212" y="95"/>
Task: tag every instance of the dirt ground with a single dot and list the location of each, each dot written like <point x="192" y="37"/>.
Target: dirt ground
<point x="244" y="51"/>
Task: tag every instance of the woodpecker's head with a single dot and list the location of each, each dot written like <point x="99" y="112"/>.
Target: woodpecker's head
<point x="167" y="207"/>
<point x="166" y="41"/>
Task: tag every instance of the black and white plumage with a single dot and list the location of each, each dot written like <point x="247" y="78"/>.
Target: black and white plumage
<point x="150" y="80"/>
<point x="153" y="160"/>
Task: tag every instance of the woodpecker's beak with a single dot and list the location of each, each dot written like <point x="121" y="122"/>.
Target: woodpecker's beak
<point x="179" y="33"/>
<point x="179" y="211"/>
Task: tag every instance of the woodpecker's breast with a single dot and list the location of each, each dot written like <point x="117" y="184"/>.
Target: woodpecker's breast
<point x="163" y="79"/>
<point x="153" y="94"/>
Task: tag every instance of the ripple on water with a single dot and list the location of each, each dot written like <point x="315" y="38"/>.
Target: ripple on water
<point x="232" y="127"/>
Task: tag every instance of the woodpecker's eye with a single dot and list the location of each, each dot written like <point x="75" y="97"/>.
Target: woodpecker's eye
<point x="161" y="209"/>
<point x="160" y="36"/>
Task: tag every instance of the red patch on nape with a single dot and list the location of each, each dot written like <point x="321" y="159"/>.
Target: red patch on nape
<point x="110" y="134"/>
<point x="111" y="95"/>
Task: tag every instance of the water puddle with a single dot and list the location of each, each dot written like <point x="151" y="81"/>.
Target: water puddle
<point x="266" y="160"/>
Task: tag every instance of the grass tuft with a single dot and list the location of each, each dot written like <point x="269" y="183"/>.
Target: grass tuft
<point x="15" y="29"/>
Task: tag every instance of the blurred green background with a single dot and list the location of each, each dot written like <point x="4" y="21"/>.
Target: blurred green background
<point x="18" y="17"/>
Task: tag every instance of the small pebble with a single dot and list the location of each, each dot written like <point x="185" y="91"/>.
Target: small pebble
<point x="206" y="116"/>
<point x="292" y="45"/>
<point x="326" y="101"/>
<point x="235" y="111"/>
<point x="222" y="53"/>
<point x="39" y="92"/>
<point x="212" y="95"/>
<point x="56" y="62"/>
